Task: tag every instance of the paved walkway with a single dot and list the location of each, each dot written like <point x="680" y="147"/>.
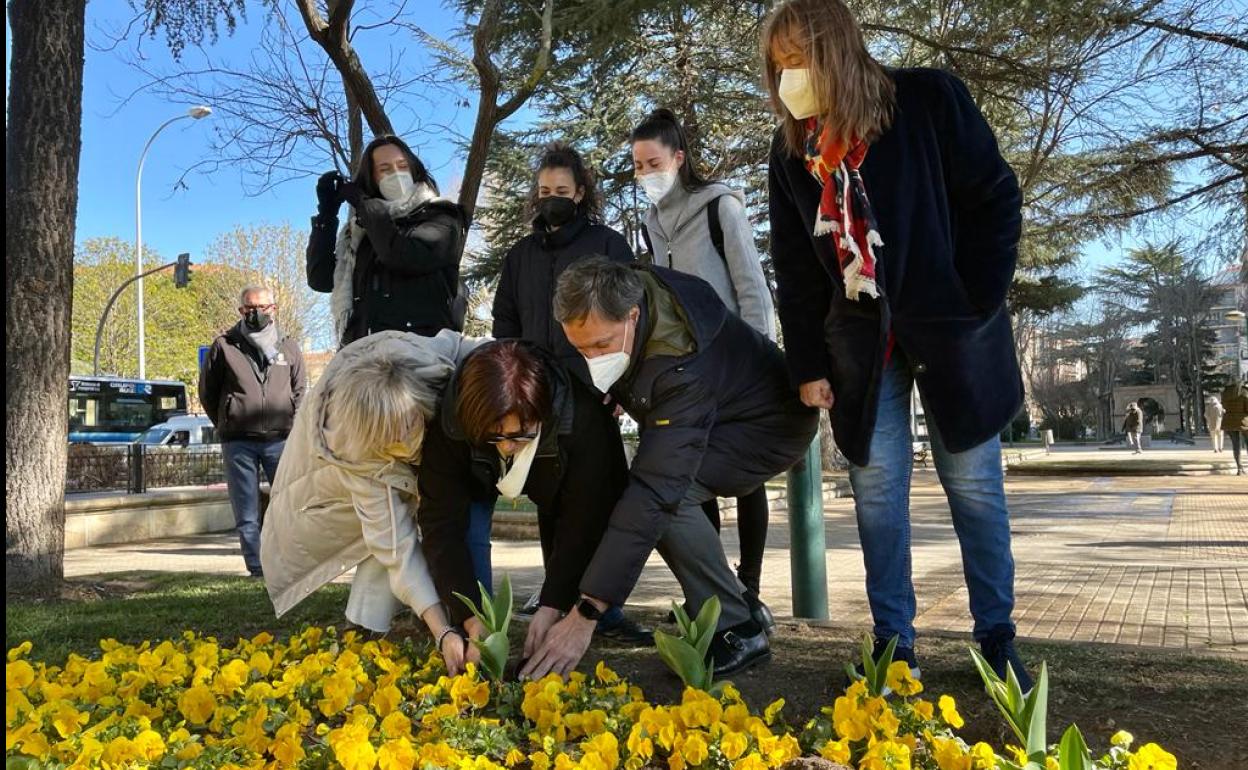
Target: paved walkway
<point x="1157" y="561"/>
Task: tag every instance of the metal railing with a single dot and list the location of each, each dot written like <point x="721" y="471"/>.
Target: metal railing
<point x="136" y="468"/>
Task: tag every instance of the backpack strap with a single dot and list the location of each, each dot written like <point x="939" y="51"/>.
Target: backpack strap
<point x="717" y="230"/>
<point x="645" y="236"/>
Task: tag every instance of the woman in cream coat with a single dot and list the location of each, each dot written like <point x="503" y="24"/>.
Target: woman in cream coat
<point x="345" y="493"/>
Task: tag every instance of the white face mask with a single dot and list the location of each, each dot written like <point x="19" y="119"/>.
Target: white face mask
<point x="397" y="186"/>
<point x="657" y="184"/>
<point x="797" y="94"/>
<point x="606" y="370"/>
<point x="512" y="485"/>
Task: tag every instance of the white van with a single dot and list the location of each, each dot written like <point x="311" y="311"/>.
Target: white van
<point x="183" y="430"/>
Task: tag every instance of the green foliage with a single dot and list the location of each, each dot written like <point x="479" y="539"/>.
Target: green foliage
<point x="1025" y="713"/>
<point x="179" y="321"/>
<point x="874" y="672"/>
<point x="494" y="612"/>
<point x="686" y="653"/>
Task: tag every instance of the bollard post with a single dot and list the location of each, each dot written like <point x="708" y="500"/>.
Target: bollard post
<point x="137" y="482"/>
<point x="807" y="543"/>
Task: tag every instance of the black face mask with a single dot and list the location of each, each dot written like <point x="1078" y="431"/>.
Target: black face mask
<point x="556" y="211"/>
<point x="256" y="321"/>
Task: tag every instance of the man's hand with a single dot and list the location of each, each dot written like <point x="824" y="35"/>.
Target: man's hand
<point x="539" y="626"/>
<point x="817" y="394"/>
<point x="565" y="645"/>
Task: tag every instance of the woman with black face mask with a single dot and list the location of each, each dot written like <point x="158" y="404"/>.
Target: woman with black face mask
<point x="566" y="213"/>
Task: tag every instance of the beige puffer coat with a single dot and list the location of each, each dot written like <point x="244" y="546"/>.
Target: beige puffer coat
<point x="326" y="514"/>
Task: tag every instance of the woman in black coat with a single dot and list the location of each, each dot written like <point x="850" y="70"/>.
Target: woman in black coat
<point x="395" y="263"/>
<point x="513" y="421"/>
<point x="894" y="233"/>
<point x="566" y="212"/>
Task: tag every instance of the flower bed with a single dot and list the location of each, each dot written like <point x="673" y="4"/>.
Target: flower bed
<point x="320" y="701"/>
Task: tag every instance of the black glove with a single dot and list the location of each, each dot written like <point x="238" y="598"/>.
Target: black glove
<point x="350" y="192"/>
<point x="328" y="193"/>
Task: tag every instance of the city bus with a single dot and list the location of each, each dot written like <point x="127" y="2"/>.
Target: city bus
<point x="116" y="410"/>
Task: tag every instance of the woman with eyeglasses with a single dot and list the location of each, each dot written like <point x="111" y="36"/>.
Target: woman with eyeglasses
<point x="513" y="421"/>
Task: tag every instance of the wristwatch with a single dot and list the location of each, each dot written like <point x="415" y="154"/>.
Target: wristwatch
<point x="588" y="611"/>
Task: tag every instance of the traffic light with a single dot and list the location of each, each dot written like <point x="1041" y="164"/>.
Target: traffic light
<point x="182" y="271"/>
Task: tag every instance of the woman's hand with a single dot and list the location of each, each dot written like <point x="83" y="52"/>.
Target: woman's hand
<point x="455" y="653"/>
<point x="328" y="195"/>
<point x="817" y="394"/>
<point x="351" y="193"/>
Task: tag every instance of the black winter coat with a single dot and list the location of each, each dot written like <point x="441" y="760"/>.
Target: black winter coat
<point x="406" y="273"/>
<point x="577" y="476"/>
<point x="724" y="415"/>
<point x="948" y="207"/>
<point x="526" y="288"/>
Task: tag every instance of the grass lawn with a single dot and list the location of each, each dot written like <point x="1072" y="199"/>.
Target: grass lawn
<point x="1193" y="705"/>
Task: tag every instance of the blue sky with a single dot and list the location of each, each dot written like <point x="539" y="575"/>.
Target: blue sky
<point x="188" y="218"/>
<point x="115" y="130"/>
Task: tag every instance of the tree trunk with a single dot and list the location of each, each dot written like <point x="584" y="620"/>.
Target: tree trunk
<point x="490" y="113"/>
<point x="40" y="202"/>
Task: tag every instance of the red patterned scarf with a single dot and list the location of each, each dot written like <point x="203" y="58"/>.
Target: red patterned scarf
<point x="844" y="208"/>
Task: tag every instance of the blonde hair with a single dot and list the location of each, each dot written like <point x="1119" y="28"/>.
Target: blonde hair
<point x="854" y="91"/>
<point x="375" y="403"/>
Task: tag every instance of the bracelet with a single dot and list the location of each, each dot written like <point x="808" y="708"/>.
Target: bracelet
<point x="449" y="630"/>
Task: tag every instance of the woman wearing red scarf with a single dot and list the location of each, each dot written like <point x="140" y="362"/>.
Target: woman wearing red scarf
<point x="894" y="234"/>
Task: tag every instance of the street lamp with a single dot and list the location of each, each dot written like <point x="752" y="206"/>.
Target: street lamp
<point x="194" y="113"/>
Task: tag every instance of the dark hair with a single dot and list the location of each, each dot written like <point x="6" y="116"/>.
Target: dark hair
<point x="595" y="284"/>
<point x="364" y="174"/>
<point x="498" y="379"/>
<point x="562" y="155"/>
<point x="663" y="125"/>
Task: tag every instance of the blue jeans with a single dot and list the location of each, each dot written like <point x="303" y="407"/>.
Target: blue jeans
<point x="480" y="525"/>
<point x="243" y="461"/>
<point x="975" y="488"/>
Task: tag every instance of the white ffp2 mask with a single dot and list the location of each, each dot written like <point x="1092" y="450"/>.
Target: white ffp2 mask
<point x="606" y="370"/>
<point x="797" y="94"/>
<point x="397" y="186"/>
<point x="657" y="184"/>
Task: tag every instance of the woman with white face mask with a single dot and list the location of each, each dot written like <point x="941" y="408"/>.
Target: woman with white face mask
<point x="700" y="227"/>
<point x="395" y="263"/>
<point x="894" y="234"/>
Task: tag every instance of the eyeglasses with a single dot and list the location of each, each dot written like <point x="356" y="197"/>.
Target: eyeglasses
<point x="262" y="308"/>
<point x="517" y="438"/>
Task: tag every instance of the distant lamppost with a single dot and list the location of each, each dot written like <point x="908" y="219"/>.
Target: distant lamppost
<point x="195" y="113"/>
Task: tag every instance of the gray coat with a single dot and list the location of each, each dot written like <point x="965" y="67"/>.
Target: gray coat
<point x="681" y="237"/>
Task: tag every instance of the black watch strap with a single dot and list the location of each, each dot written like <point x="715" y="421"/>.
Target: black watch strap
<point x="588" y="611"/>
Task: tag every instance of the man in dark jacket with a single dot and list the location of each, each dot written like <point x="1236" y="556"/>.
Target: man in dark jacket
<point x="250" y="386"/>
<point x="575" y="473"/>
<point x="717" y="418"/>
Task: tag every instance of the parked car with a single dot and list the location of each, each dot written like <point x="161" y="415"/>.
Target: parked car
<point x="181" y="431"/>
